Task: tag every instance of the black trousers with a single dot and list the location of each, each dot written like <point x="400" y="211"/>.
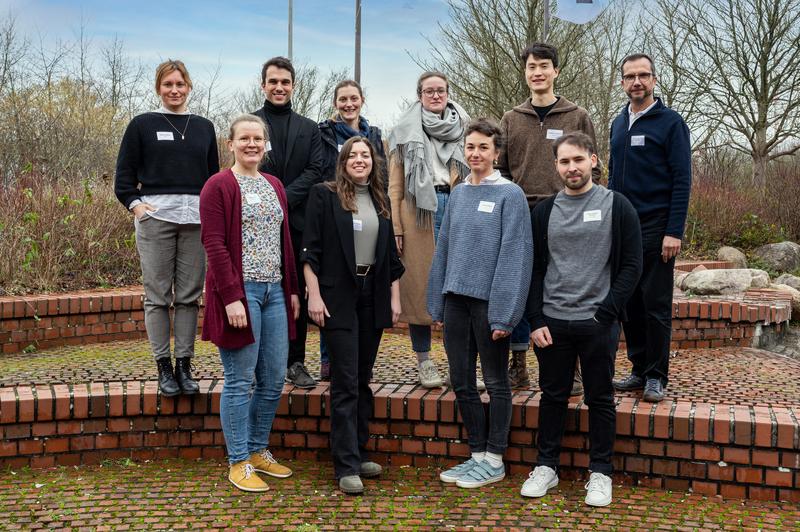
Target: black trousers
<point x="595" y="345"/>
<point x="648" y="331"/>
<point x="466" y="334"/>
<point x="352" y="356"/>
<point x="297" y="347"/>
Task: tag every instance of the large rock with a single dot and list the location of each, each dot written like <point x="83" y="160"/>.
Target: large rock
<point x="711" y="282"/>
<point x="795" y="297"/>
<point x="790" y="280"/>
<point x="758" y="278"/>
<point x="729" y="254"/>
<point x="679" y="277"/>
<point x="781" y="257"/>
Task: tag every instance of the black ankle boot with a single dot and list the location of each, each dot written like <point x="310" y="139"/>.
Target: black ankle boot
<point x="166" y="379"/>
<point x="183" y="374"/>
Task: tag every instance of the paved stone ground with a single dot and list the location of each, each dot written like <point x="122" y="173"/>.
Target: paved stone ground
<point x="195" y="495"/>
<point x="723" y="376"/>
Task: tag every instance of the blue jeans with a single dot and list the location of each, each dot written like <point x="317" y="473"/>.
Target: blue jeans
<point x="254" y="374"/>
<point x="520" y="336"/>
<point x="421" y="334"/>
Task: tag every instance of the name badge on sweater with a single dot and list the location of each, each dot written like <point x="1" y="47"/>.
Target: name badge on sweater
<point x="637" y="140"/>
<point x="358" y="225"/>
<point x="269" y="146"/>
<point x="339" y="147"/>
<point x="486" y="206"/>
<point x="592" y="216"/>
<point x="252" y="198"/>
<point x="553" y="134"/>
<point x="164" y="135"/>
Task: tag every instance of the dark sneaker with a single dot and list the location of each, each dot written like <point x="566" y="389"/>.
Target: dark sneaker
<point x="297" y="374"/>
<point x="631" y="382"/>
<point x="653" y="391"/>
<point x="183" y="374"/>
<point x="166" y="378"/>
<point x="324" y="371"/>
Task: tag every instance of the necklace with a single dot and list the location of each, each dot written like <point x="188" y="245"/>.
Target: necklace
<point x="183" y="135"/>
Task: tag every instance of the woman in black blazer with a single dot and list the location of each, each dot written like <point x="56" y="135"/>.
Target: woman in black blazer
<point x="351" y="269"/>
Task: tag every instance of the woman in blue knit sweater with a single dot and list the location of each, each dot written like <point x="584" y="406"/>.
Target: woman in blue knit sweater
<point x="477" y="289"/>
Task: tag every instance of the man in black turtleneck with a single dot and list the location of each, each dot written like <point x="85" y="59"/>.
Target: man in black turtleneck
<point x="294" y="155"/>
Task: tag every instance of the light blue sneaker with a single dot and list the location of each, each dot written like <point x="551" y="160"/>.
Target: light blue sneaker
<point x="482" y="474"/>
<point x="454" y="473"/>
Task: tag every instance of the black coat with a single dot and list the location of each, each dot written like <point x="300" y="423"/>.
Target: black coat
<point x="329" y="248"/>
<point x="299" y="168"/>
<point x="330" y="152"/>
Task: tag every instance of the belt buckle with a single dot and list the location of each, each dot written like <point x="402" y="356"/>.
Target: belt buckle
<point x="365" y="268"/>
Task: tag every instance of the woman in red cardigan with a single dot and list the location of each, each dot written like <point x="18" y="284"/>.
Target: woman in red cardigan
<point x="251" y="299"/>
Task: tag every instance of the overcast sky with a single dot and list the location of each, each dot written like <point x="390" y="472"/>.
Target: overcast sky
<point x="242" y="34"/>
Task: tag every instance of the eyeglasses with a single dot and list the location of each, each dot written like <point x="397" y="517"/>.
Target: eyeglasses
<point x="643" y="77"/>
<point x="247" y="140"/>
<point x="430" y="92"/>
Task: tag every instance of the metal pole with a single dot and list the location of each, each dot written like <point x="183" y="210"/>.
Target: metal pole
<point x="290" y="29"/>
<point x="357" y="69"/>
<point x="546" y="29"/>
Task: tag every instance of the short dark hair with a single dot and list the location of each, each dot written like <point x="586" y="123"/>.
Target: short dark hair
<point x="636" y="57"/>
<point x="540" y="50"/>
<point x="431" y="74"/>
<point x="277" y="61"/>
<point x="487" y="127"/>
<point x="578" y="139"/>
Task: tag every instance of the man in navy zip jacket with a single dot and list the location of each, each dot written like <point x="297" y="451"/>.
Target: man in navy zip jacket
<point x="650" y="163"/>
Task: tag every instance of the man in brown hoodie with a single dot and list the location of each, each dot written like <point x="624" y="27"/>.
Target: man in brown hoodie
<point x="530" y="130"/>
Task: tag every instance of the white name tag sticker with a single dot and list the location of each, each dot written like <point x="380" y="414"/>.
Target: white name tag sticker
<point x="269" y="146"/>
<point x="358" y="225"/>
<point x="637" y="140"/>
<point x="486" y="206"/>
<point x="339" y="147"/>
<point x="553" y="134"/>
<point x="592" y="216"/>
<point x="164" y="135"/>
<point x="252" y="198"/>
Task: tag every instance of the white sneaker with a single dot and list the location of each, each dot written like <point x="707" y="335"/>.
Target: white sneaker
<point x="539" y="481"/>
<point x="429" y="375"/>
<point x="598" y="490"/>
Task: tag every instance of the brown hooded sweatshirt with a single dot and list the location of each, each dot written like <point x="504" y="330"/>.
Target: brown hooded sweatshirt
<point x="528" y="158"/>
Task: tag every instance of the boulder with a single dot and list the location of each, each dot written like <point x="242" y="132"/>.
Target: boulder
<point x="790" y="280"/>
<point x="729" y="254"/>
<point x="758" y="278"/>
<point x="795" y="297"/>
<point x="712" y="282"/>
<point x="680" y="276"/>
<point x="781" y="257"/>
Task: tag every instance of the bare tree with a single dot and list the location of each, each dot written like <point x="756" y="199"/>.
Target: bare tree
<point x="752" y="50"/>
<point x="313" y="91"/>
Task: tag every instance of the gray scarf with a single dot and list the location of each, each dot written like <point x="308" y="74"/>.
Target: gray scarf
<point x="421" y="135"/>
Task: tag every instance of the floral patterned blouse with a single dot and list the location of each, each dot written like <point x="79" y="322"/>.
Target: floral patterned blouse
<point x="262" y="217"/>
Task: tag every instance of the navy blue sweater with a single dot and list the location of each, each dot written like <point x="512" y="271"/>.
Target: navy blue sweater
<point x="651" y="164"/>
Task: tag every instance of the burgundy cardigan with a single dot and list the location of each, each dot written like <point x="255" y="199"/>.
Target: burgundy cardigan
<point x="221" y="233"/>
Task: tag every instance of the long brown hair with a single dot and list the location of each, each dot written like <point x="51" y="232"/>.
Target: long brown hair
<point x="344" y="186"/>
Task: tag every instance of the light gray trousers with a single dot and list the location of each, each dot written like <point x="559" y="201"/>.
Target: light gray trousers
<point x="173" y="270"/>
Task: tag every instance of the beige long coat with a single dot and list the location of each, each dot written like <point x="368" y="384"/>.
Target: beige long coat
<point x="418" y="245"/>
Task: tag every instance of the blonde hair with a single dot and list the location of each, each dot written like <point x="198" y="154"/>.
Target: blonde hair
<point x="168" y="67"/>
<point x="247" y="118"/>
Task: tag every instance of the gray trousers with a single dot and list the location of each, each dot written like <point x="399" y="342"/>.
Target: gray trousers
<point x="173" y="269"/>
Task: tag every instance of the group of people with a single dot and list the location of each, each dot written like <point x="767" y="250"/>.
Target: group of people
<point x="500" y="234"/>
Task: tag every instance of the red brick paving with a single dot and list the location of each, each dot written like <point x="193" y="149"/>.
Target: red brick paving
<point x="175" y="494"/>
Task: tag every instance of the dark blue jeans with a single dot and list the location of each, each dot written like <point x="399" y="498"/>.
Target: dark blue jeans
<point x="467" y="334"/>
<point x="595" y="345"/>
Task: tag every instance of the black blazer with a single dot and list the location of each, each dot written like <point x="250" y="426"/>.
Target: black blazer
<point x="329" y="248"/>
<point x="300" y="167"/>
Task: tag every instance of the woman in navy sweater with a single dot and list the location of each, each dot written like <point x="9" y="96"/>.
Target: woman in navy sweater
<point x="252" y="299"/>
<point x="164" y="160"/>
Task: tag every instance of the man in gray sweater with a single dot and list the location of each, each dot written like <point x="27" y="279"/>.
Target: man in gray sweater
<point x="587" y="260"/>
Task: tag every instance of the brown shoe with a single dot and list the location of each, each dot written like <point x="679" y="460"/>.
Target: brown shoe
<point x="243" y="476"/>
<point x="263" y="462"/>
<point x="518" y="372"/>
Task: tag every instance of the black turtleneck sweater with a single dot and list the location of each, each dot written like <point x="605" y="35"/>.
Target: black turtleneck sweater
<point x="278" y="118"/>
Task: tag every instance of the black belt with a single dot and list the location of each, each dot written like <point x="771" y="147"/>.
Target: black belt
<point x="442" y="188"/>
<point x="362" y="270"/>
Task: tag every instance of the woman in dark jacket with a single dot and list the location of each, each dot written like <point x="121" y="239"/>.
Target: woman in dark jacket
<point x="251" y="299"/>
<point x="351" y="269"/>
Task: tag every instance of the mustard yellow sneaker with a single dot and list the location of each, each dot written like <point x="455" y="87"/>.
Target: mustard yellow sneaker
<point x="243" y="476"/>
<point x="263" y="462"/>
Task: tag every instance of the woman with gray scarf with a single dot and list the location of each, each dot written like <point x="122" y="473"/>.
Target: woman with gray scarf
<point x="426" y="159"/>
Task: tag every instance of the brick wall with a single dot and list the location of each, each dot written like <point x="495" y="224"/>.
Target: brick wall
<point x="89" y="317"/>
<point x="729" y="450"/>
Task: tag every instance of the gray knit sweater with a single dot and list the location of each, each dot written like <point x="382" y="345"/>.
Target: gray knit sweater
<point x="485" y="251"/>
